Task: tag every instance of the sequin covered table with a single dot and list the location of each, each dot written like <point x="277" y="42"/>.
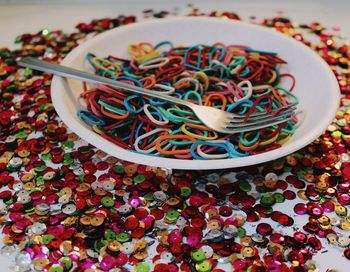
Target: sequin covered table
<point x="66" y="205"/>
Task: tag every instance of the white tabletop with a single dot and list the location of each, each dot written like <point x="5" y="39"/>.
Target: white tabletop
<point x="18" y="17"/>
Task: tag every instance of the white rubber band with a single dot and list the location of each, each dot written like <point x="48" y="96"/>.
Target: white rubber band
<point x="150" y="133"/>
<point x="149" y="115"/>
<point x="153" y="63"/>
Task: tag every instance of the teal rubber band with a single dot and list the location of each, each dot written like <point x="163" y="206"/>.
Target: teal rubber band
<point x="220" y="65"/>
<point x="251" y="142"/>
<point x="112" y="130"/>
<point x="177" y="142"/>
<point x="157" y="102"/>
<point x="288" y="93"/>
<point x="209" y="71"/>
<point x="179" y="51"/>
<point x="237" y="61"/>
<point x="248" y="50"/>
<point x="276" y="104"/>
<point x="233" y="106"/>
<point x="131" y="75"/>
<point x="162" y="43"/>
<point x="169" y="113"/>
<point x="111" y="108"/>
<point x="234" y="153"/>
<point x="198" y="97"/>
<point x="289" y="128"/>
<point x="89" y="57"/>
<point x="108" y="73"/>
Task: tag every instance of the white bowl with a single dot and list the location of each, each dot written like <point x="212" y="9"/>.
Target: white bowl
<point x="316" y="86"/>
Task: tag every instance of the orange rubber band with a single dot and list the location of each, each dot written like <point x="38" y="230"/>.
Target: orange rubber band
<point x="111" y="115"/>
<point x="148" y="82"/>
<point x="207" y="100"/>
<point x="248" y="148"/>
<point x="176" y="151"/>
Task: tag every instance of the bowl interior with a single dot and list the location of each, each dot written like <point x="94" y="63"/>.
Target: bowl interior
<point x="316" y="86"/>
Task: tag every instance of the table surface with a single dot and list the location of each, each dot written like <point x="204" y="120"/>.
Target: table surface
<point x="17" y="17"/>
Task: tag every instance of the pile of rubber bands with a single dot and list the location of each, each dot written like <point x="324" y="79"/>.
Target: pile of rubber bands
<point x="236" y="79"/>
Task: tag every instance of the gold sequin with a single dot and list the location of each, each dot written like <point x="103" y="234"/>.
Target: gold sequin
<point x="301" y="194"/>
<point x="211" y="213"/>
<point x="114" y="246"/>
<point x="97" y="221"/>
<point x="66" y="191"/>
<point x="140" y="245"/>
<point x="344" y="224"/>
<point x="246" y="241"/>
<point x="111" y="160"/>
<point x="127" y="181"/>
<point x="100" y="191"/>
<point x="66" y="247"/>
<point x="173" y="201"/>
<point x="332" y="238"/>
<point x="309" y="177"/>
<point x="321" y="185"/>
<point x="270" y="184"/>
<point x="27" y="177"/>
<point x="46" y="150"/>
<point x="29" y="186"/>
<point x="160" y="172"/>
<point x="292" y="161"/>
<point x="23" y="153"/>
<point x="85" y="220"/>
<point x="240" y="220"/>
<point x="274" y="247"/>
<point x="341" y="210"/>
<point x="100" y="154"/>
<point x="40" y="263"/>
<point x="130" y="169"/>
<point x="6" y="157"/>
<point x="141" y="255"/>
<point x="214" y="224"/>
<point x="324" y="220"/>
<point x="69" y="221"/>
<point x="120" y="192"/>
<point x="15" y="230"/>
<point x="247" y="251"/>
<point x="83" y="187"/>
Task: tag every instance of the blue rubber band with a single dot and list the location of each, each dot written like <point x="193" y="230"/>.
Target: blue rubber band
<point x="131" y="108"/>
<point x="90" y="118"/>
<point x="213" y="52"/>
<point x="199" y="57"/>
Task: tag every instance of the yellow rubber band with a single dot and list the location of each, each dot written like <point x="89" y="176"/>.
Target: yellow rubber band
<point x="97" y="63"/>
<point x="204" y="78"/>
<point x="97" y="129"/>
<point x="196" y="136"/>
<point x="269" y="141"/>
<point x="273" y="78"/>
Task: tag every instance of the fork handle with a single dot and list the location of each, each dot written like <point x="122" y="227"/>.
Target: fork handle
<point x="65" y="71"/>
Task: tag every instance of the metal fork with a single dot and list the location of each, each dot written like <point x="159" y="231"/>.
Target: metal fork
<point x="216" y="119"/>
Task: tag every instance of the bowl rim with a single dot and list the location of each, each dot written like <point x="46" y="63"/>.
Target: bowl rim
<point x="91" y="137"/>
